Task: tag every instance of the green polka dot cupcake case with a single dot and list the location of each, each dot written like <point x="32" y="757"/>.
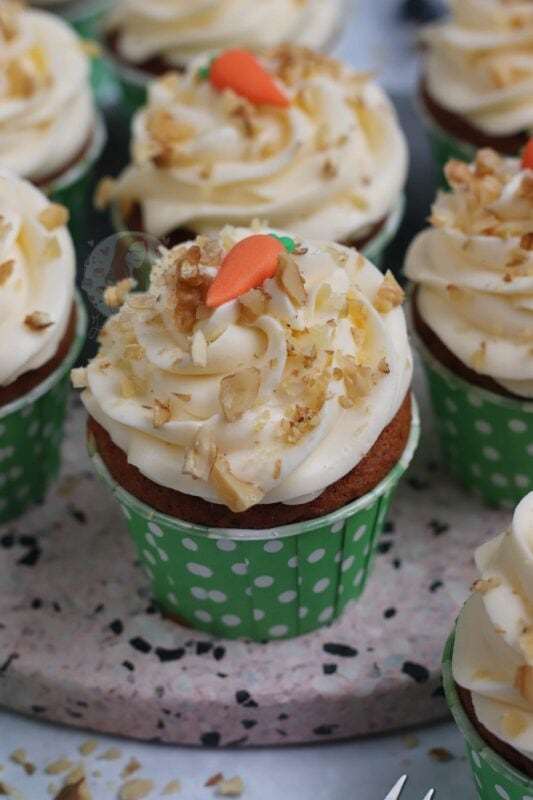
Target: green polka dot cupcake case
<point x="262" y="584"/>
<point x="486" y="439"/>
<point x="31" y="432"/>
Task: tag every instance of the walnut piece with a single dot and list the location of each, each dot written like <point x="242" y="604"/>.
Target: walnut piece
<point x="162" y="413"/>
<point x="38" y="320"/>
<point x="236" y="494"/>
<point x="390" y="294"/>
<point x="238" y="393"/>
<point x="115" y="296"/>
<point x="78" y="377"/>
<point x="54" y="216"/>
<point x="6" y="270"/>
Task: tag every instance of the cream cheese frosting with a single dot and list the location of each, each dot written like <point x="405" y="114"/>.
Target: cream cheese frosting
<point x="493" y="653"/>
<point x="330" y="165"/>
<point x="474" y="269"/>
<point x="47" y="111"/>
<point x="480" y="64"/>
<point x="276" y="394"/>
<point x="37" y="269"/>
<point x="178" y="30"/>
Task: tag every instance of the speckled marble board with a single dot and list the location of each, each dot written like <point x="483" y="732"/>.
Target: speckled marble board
<point x="81" y="644"/>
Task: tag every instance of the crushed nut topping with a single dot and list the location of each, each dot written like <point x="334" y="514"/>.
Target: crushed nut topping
<point x="232" y="787"/>
<point x="236" y="494"/>
<point x="6" y="270"/>
<point x="290" y="279"/>
<point x="38" y="320"/>
<point x="115" y="296"/>
<point x="54" y="216"/>
<point x="136" y="789"/>
<point x="239" y="392"/>
<point x="78" y="377"/>
<point x="162" y="413"/>
<point x="390" y="295"/>
<point x="201" y="456"/>
<point x="524" y="682"/>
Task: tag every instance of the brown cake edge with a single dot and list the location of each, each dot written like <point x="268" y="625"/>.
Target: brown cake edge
<point x="375" y="466"/>
<point x="29" y="380"/>
<point x="459" y="127"/>
<point x="444" y="356"/>
<point x="504" y="750"/>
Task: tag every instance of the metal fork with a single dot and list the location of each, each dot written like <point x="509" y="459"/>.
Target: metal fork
<point x="396" y="790"/>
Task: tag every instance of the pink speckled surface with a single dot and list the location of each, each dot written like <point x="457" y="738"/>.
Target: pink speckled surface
<point x="80" y="643"/>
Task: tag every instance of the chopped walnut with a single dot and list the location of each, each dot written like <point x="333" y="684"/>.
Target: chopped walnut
<point x="290" y="279"/>
<point x="390" y="294"/>
<point x="191" y="286"/>
<point x="524" y="682"/>
<point x="526" y="242"/>
<point x="239" y="392"/>
<point x="162" y="413"/>
<point x="38" y="320"/>
<point x="236" y="494"/>
<point x="58" y="766"/>
<point x="359" y="380"/>
<point x="54" y="216"/>
<point x="136" y="789"/>
<point x="89" y="746"/>
<point x="105" y="193"/>
<point x="6" y="270"/>
<point x="329" y="169"/>
<point x="487" y="162"/>
<point x="200" y="457"/>
<point x="78" y="377"/>
<point x="233" y="787"/>
<point x="115" y="296"/>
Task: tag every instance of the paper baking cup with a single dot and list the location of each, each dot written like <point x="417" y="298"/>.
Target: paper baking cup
<point x="75" y="188"/>
<point x="31" y="431"/>
<point x="259" y="584"/>
<point x="495" y="779"/>
<point x="374" y="250"/>
<point x="486" y="438"/>
<point x="376" y="247"/>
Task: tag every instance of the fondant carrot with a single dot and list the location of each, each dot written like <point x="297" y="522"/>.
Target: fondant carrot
<point x="527" y="155"/>
<point x="246" y="266"/>
<point x="241" y="71"/>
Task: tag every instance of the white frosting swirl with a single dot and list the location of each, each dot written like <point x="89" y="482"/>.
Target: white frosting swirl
<point x="330" y="165"/>
<point x="178" y="30"/>
<point x="493" y="653"/>
<point x="46" y="106"/>
<point x="37" y="269"/>
<point x="480" y="64"/>
<point x="474" y="270"/>
<point x="295" y="437"/>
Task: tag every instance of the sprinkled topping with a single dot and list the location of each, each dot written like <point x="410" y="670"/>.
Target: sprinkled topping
<point x="54" y="216"/>
<point x="38" y="320"/>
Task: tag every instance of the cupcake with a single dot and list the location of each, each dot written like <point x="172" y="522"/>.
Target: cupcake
<point x="477" y="87"/>
<point x="252" y="413"/>
<point x="292" y="137"/>
<point x="50" y="132"/>
<point x="149" y="39"/>
<point x="488" y="675"/>
<point x="472" y="308"/>
<point x="42" y="327"/>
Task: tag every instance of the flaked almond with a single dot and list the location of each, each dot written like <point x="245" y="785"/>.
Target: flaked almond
<point x="236" y="494"/>
<point x="526" y="643"/>
<point x="78" y="377"/>
<point x="200" y="457"/>
<point x="174" y="787"/>
<point x="389" y="295"/>
<point x="114" y="296"/>
<point x="291" y="280"/>
<point x="479" y="357"/>
<point x="136" y="789"/>
<point x="162" y="413"/>
<point x="6" y="270"/>
<point x="38" y="320"/>
<point x="233" y="787"/>
<point x="54" y="216"/>
<point x="524" y="682"/>
<point x="199" y="349"/>
<point x="253" y="304"/>
<point x="458" y="174"/>
<point x="132" y="766"/>
<point x="74" y="791"/>
<point x="111" y="754"/>
<point x="486" y="585"/>
<point x="513" y="724"/>
<point x="58" y="766"/>
<point x="105" y="193"/>
<point x="239" y="392"/>
<point x="90" y="745"/>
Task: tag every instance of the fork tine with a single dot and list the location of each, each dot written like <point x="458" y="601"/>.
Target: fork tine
<point x="396" y="790"/>
<point x="430" y="794"/>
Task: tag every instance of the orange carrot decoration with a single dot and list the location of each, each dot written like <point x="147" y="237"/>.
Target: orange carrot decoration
<point x="241" y="71"/>
<point x="527" y="155"/>
<point x="247" y="265"/>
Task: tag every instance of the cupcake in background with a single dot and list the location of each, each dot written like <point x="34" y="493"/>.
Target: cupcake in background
<point x="252" y="412"/>
<point x="488" y="664"/>
<point x="41" y="328"/>
<point x="149" y="39"/>
<point x="292" y="137"/>
<point x="477" y="87"/>
<point x="50" y="131"/>
<point x="85" y="15"/>
<point x="473" y="314"/>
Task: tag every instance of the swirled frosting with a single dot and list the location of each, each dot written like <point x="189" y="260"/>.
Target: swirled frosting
<point x="37" y="268"/>
<point x="480" y="64"/>
<point x="270" y="397"/>
<point x="178" y="30"/>
<point x="46" y="107"/>
<point x="330" y="165"/>
<point x="474" y="269"/>
<point x="493" y="654"/>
